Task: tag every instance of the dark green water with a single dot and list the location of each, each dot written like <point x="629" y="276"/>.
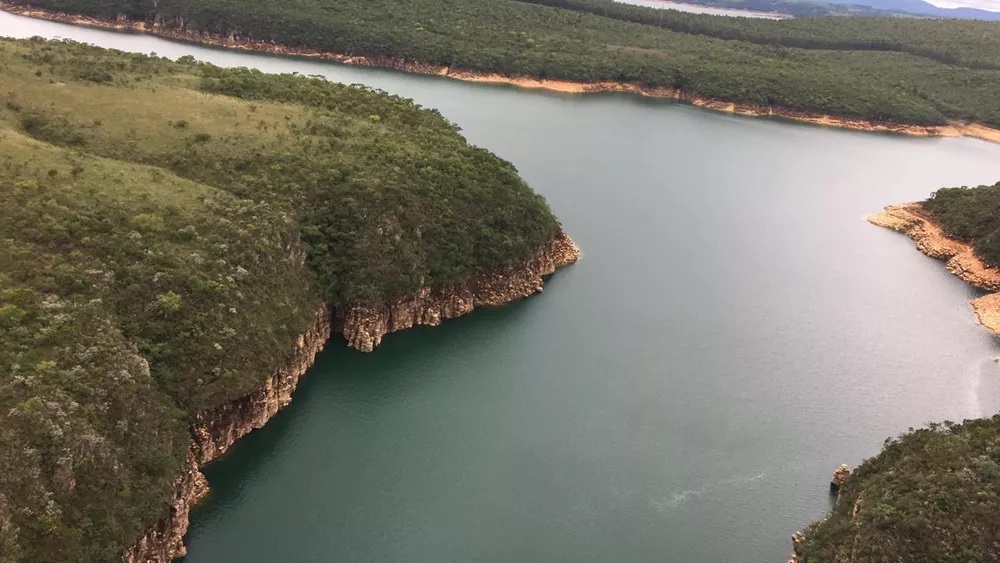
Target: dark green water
<point x="734" y="331"/>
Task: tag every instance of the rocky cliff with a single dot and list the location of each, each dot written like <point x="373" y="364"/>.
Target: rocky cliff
<point x="213" y="432"/>
<point x="364" y="327"/>
<point x="910" y="219"/>
<point x="837" y="480"/>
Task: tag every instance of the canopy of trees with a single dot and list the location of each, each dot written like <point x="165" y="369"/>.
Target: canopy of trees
<point x="971" y="215"/>
<point x="169" y="230"/>
<point x="886" y="69"/>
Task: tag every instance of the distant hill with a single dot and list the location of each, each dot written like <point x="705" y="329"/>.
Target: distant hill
<point x="920" y="7"/>
<point x="859" y="8"/>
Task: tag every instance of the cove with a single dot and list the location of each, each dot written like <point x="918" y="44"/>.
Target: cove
<point x="734" y="331"/>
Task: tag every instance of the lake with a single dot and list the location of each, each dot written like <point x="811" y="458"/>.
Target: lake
<point x="697" y="9"/>
<point x="734" y="331"/>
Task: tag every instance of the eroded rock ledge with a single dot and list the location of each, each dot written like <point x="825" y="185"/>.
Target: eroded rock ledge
<point x="215" y="431"/>
<point x="837" y="481"/>
<point x="910" y="219"/>
<point x="364" y="327"/>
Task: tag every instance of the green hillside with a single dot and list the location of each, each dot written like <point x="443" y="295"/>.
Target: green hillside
<point x="169" y="230"/>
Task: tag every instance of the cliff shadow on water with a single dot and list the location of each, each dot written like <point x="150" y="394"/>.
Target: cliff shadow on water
<point x="407" y="367"/>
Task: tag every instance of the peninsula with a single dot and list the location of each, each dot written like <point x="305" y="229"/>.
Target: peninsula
<point x="179" y="243"/>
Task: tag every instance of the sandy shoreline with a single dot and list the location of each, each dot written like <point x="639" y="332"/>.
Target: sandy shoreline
<point x="954" y="129"/>
<point x="911" y="220"/>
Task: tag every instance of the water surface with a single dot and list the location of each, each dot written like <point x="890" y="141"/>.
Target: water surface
<point x="698" y="9"/>
<point x="734" y="331"/>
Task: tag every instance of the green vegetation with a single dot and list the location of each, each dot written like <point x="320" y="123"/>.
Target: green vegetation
<point x="169" y="230"/>
<point x="931" y="495"/>
<point x="971" y="215"/>
<point x="885" y="69"/>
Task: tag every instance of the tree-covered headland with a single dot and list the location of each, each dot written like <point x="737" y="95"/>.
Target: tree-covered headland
<point x="169" y="229"/>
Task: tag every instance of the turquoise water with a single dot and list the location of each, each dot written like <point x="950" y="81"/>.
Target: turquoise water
<point x="733" y="332"/>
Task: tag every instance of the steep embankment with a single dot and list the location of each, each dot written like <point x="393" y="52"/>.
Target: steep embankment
<point x="960" y="257"/>
<point x="213" y="432"/>
<point x="364" y="327"/>
<point x="702" y="93"/>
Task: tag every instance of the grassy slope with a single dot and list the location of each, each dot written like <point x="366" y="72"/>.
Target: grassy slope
<point x="151" y="265"/>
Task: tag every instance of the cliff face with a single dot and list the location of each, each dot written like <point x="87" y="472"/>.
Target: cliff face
<point x="216" y="430"/>
<point x="840" y="476"/>
<point x="165" y="539"/>
<point x="213" y="432"/>
<point x="908" y="218"/>
<point x="364" y="327"/>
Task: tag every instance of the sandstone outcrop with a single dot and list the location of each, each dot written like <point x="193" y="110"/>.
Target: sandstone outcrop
<point x="910" y="219"/>
<point x="213" y="432"/>
<point x="364" y="327"/>
<point x="839" y="477"/>
<point x="837" y="480"/>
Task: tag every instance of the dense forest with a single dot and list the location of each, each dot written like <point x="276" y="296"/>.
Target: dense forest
<point x="885" y="69"/>
<point x="169" y="230"/>
<point x="931" y="495"/>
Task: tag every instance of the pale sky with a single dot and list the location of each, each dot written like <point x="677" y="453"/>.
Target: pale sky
<point x="993" y="5"/>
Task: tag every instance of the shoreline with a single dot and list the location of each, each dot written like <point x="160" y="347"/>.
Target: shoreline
<point x="912" y="220"/>
<point x="214" y="431"/>
<point x="959" y="257"/>
<point x="121" y="24"/>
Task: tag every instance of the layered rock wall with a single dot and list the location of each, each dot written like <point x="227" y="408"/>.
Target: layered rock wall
<point x="364" y="327"/>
